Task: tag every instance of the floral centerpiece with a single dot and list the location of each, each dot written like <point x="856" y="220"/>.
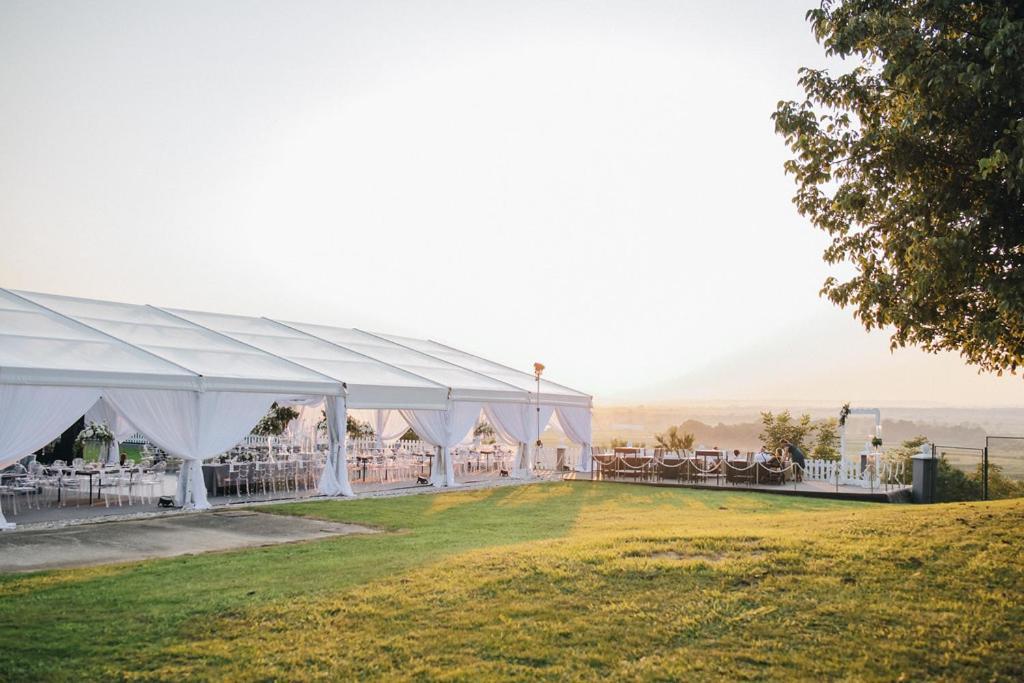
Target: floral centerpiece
<point x="483" y="433"/>
<point x="843" y="414"/>
<point x="95" y="432"/>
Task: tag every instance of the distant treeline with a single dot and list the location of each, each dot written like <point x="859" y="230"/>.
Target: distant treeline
<point x="744" y="435"/>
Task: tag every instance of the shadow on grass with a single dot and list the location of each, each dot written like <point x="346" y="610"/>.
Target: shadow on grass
<point x="92" y="622"/>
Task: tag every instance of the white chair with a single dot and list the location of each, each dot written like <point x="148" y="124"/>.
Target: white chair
<point x="240" y="473"/>
<point x="147" y="482"/>
<point x="286" y="475"/>
<point x="69" y="482"/>
<point x="24" y="484"/>
<point x="8" y="492"/>
<point x="115" y="481"/>
<point x="265" y="474"/>
<point x="377" y="469"/>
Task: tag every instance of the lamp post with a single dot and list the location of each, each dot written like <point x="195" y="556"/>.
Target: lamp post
<point x="538" y="369"/>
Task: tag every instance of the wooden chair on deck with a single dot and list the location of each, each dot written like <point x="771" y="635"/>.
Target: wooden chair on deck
<point x="738" y="472"/>
<point x="771" y="474"/>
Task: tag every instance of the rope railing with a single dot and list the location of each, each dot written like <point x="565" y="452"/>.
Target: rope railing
<point x="644" y="465"/>
<point x="877" y="473"/>
<point x="694" y="468"/>
<point x="732" y="465"/>
<point x="700" y="470"/>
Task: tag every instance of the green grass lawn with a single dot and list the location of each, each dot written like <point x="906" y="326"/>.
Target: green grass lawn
<point x="554" y="581"/>
<point x="91" y="452"/>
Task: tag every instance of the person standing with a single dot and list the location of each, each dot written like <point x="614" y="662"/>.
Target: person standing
<point x="797" y="457"/>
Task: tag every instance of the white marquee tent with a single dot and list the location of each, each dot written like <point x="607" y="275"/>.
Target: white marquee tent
<point x="196" y="383"/>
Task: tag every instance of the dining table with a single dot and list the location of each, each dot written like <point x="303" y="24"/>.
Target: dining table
<point x="214" y="472"/>
<point x="71" y="471"/>
<point x="364" y="461"/>
<point x="92" y="472"/>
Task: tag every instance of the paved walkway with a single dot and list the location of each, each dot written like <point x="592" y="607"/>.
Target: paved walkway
<point x="181" y="534"/>
<point x="50" y="516"/>
<point x="139" y="535"/>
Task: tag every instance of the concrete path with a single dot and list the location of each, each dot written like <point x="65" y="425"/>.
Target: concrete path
<point x="182" y="534"/>
<point x="52" y="517"/>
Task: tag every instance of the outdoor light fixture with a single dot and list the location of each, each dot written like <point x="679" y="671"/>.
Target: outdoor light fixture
<point x="538" y="370"/>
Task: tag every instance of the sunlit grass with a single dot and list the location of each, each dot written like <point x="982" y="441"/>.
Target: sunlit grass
<point x="554" y="581"/>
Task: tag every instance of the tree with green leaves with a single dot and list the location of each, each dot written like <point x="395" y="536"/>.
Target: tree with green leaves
<point x="355" y="429"/>
<point x="999" y="484"/>
<point x="903" y="454"/>
<point x="826" y="440"/>
<point x="675" y="439"/>
<point x="912" y="161"/>
<point x="275" y="421"/>
<point x="775" y="429"/>
<point x="358" y="429"/>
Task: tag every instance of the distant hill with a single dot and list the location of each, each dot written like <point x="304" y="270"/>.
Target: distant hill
<point x="738" y="425"/>
<point x="830" y="358"/>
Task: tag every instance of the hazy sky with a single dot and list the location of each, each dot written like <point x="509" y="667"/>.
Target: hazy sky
<point x="596" y="185"/>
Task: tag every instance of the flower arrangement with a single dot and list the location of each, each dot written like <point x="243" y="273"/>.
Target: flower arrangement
<point x="844" y="413"/>
<point x="94" y="431"/>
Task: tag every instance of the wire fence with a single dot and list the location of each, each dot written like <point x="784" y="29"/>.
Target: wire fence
<point x="971" y="473"/>
<point x="961" y="474"/>
<point x="1005" y="467"/>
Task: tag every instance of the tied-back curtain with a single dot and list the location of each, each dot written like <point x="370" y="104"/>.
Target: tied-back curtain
<point x="191" y="425"/>
<point x="31" y="417"/>
<point x="120" y="427"/>
<point x="575" y="424"/>
<point x="517" y="423"/>
<point x="388" y="425"/>
<point x="444" y="429"/>
<point x="334" y="479"/>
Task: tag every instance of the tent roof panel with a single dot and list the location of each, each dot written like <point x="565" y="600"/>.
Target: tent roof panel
<point x="370" y="383"/>
<point x="52" y="339"/>
<point x="223" y="363"/>
<point x="465" y="384"/>
<point x="43" y="347"/>
<point x="522" y="380"/>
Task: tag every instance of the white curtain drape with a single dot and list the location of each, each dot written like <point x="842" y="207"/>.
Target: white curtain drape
<point x="334" y="479"/>
<point x="388" y="425"/>
<point x="31" y="417"/>
<point x="120" y="427"/>
<point x="516" y="423"/>
<point x="303" y="429"/>
<point x="575" y="424"/>
<point x="191" y="425"/>
<point x="444" y="429"/>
